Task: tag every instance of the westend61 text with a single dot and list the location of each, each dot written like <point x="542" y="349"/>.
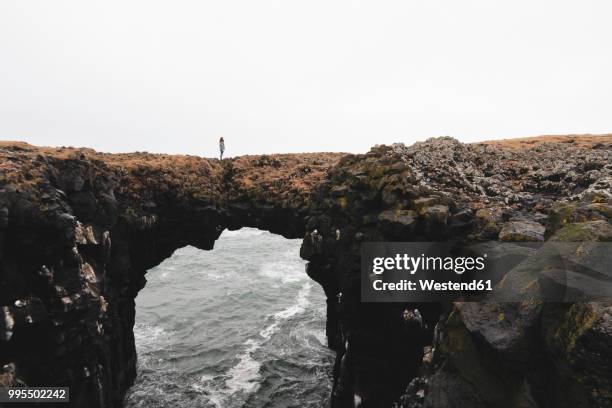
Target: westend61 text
<point x="431" y="285"/>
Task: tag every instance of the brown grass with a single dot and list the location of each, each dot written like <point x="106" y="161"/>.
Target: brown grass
<point x="583" y="141"/>
<point x="278" y="175"/>
<point x="281" y="175"/>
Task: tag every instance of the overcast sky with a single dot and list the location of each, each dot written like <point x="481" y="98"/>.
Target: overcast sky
<point x="291" y="76"/>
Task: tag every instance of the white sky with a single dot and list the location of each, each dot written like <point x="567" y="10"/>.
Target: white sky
<point x="291" y="76"/>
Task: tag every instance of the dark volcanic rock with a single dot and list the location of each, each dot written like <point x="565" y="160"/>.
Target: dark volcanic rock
<point x="398" y="222"/>
<point x="521" y="231"/>
<point x="79" y="229"/>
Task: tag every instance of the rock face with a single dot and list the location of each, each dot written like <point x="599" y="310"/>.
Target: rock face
<point x="79" y="229"/>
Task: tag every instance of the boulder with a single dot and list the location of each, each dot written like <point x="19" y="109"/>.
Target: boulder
<point x="398" y="223"/>
<point x="584" y="231"/>
<point x="522" y="231"/>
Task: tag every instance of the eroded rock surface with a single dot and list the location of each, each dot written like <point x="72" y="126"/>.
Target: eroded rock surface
<point x="79" y="229"/>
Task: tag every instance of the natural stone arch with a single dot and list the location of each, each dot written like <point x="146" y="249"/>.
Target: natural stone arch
<point x="78" y="230"/>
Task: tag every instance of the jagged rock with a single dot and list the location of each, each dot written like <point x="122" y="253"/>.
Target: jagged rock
<point x="84" y="234"/>
<point x="462" y="219"/>
<point x="577" y="336"/>
<point x="488" y="223"/>
<point x="503" y="327"/>
<point x="598" y="191"/>
<point x="8" y="377"/>
<point x="522" y="231"/>
<point x="435" y="218"/>
<point x="398" y="222"/>
<point x="414" y="396"/>
<point x="599" y="230"/>
<point x="84" y="204"/>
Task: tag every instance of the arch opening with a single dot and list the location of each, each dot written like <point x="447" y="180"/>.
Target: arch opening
<point x="241" y="325"/>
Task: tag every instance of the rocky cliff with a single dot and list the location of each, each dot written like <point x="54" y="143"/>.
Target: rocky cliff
<point x="79" y="229"/>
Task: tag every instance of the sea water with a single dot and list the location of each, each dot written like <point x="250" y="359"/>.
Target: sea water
<point x="241" y="325"/>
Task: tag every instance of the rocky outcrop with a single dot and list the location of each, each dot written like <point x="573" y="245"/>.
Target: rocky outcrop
<point x="485" y="354"/>
<point x="79" y="229"/>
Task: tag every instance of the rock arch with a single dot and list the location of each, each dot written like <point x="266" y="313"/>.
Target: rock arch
<point x="79" y="229"/>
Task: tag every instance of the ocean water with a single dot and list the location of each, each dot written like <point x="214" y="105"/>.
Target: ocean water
<point x="239" y="326"/>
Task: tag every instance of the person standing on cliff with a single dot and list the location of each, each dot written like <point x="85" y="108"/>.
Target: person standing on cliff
<point x="221" y="148"/>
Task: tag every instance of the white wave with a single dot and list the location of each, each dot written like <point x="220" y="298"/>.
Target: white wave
<point x="162" y="271"/>
<point x="149" y="337"/>
<point x="148" y="340"/>
<point x="321" y="337"/>
<point x="243" y="378"/>
<point x="206" y="377"/>
<point x="243" y="232"/>
<point x="298" y="307"/>
<point x="286" y="269"/>
<point x="214" y="276"/>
